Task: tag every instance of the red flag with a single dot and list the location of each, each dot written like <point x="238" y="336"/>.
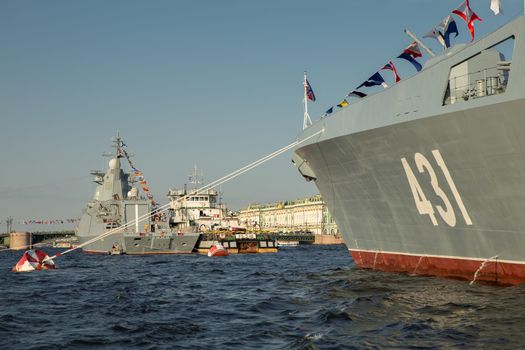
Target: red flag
<point x="464" y="11"/>
<point x="413" y="50"/>
<point x="390" y="66"/>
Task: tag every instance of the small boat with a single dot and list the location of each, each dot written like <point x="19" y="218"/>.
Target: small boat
<point x="115" y="250"/>
<point x="218" y="249"/>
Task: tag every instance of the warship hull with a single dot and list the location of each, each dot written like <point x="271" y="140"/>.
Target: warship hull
<point x="143" y="244"/>
<point x="102" y="246"/>
<point x="436" y="190"/>
<point x="183" y="244"/>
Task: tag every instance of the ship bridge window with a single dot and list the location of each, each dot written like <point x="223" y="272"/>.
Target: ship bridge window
<point x="484" y="74"/>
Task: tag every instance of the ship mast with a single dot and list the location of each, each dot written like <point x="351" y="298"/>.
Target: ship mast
<point x="119" y="152"/>
<point x="195" y="178"/>
<point x="118" y="145"/>
<point x="306" y="120"/>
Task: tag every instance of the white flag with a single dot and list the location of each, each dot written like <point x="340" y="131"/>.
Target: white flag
<point x="436" y="34"/>
<point x="494" y="6"/>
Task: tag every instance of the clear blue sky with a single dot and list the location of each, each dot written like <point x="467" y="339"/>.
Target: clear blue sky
<point x="212" y="83"/>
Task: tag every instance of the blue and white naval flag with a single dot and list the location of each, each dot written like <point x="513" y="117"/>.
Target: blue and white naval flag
<point x="309" y="92"/>
<point x="442" y="31"/>
<point x="436" y="34"/>
<point x="374" y="80"/>
<point x="356" y="93"/>
<point x="448" y="26"/>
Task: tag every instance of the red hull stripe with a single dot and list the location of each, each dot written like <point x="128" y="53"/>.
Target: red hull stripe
<point x="494" y="271"/>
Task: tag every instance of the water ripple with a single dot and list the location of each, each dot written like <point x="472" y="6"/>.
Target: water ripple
<point x="301" y="298"/>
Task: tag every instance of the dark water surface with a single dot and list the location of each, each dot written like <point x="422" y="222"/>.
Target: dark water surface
<point x="308" y="297"/>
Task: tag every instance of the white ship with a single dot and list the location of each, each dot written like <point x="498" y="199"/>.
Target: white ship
<point x="199" y="210"/>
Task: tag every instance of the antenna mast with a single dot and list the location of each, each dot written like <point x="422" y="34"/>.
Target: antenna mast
<point x="195" y="178"/>
<point x="118" y="145"/>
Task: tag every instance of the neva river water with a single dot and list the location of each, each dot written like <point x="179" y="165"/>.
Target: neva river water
<point x="308" y="297"/>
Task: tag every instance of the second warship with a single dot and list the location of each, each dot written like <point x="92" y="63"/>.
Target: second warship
<point x="117" y="202"/>
<point x="193" y="221"/>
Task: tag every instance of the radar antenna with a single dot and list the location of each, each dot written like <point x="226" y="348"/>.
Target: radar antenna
<point x="119" y="146"/>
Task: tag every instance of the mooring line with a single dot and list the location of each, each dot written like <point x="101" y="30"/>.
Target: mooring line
<point x="211" y="185"/>
<point x="375" y="259"/>
<point x="418" y="263"/>
<point x="481" y="268"/>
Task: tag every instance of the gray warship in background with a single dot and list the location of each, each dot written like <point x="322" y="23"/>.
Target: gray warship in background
<point x="117" y="202"/>
<point x="428" y="176"/>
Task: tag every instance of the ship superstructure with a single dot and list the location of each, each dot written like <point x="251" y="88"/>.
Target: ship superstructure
<point x="194" y="210"/>
<point x="428" y="176"/>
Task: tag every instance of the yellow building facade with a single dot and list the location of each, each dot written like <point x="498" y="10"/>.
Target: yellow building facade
<point x="307" y="214"/>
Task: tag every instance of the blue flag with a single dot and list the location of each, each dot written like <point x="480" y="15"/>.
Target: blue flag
<point x="449" y="28"/>
<point x="442" y="31"/>
<point x="409" y="58"/>
<point x="374" y="80"/>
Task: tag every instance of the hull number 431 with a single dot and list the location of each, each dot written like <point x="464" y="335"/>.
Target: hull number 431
<point x="423" y="205"/>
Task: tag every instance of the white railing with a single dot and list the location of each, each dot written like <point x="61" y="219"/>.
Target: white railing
<point x="482" y="83"/>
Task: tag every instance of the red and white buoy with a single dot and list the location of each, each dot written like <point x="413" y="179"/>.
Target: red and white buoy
<point x="34" y="260"/>
<point x="218" y="249"/>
